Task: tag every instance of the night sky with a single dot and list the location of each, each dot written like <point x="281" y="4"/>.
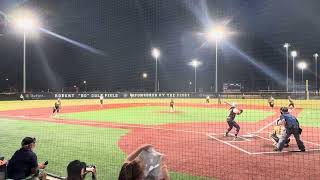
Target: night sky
<point x="126" y="30"/>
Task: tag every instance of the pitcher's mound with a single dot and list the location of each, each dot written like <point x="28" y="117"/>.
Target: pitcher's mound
<point x="169" y="112"/>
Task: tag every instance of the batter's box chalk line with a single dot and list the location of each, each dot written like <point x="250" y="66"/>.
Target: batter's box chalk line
<point x="229" y="143"/>
<point x="243" y="137"/>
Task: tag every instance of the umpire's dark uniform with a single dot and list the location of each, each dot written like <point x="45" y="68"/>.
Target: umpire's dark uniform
<point x="291" y="127"/>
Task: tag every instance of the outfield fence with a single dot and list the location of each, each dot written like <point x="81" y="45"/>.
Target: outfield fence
<point x="133" y="95"/>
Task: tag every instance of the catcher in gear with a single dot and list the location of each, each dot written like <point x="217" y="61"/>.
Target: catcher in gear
<point x="276" y="134"/>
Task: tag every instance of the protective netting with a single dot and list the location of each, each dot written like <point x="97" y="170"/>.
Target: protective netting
<point x="92" y="69"/>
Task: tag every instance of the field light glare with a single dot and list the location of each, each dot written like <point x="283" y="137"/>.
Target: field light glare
<point x="195" y="63"/>
<point x="302" y="65"/>
<point x="294" y="53"/>
<point x="155" y="53"/>
<point x="286" y="45"/>
<point x="144" y="75"/>
<point x="25" y="20"/>
<point x="217" y="33"/>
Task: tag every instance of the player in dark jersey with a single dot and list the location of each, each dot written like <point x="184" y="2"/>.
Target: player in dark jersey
<point x="101" y="100"/>
<point x="208" y="99"/>
<point x="171" y="106"/>
<point x="291" y="103"/>
<point x="233" y="111"/>
<point x="57" y="106"/>
<point x="271" y="102"/>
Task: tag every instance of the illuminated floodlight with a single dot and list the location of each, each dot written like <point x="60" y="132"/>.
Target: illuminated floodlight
<point x="144" y="75"/>
<point x="25" y="20"/>
<point x="294" y="53"/>
<point x="7" y="79"/>
<point x="316" y="55"/>
<point x="156" y="53"/>
<point x="286" y="45"/>
<point x="217" y="33"/>
<point x="302" y="65"/>
<point x="195" y="63"/>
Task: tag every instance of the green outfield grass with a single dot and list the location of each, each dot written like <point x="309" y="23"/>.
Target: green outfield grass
<point x="59" y="144"/>
<point x="310" y="117"/>
<point x="151" y="115"/>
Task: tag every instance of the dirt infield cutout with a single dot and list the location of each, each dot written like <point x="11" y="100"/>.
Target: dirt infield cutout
<point x="247" y="142"/>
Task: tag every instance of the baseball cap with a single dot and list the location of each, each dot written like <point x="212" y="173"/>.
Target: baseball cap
<point x="27" y="141"/>
<point x="283" y="109"/>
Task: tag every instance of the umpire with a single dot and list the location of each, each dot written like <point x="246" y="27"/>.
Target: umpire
<point x="291" y="127"/>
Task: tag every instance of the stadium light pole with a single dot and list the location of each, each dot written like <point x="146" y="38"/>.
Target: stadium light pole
<point x="287" y="45"/>
<point x="195" y="63"/>
<point x="85" y="85"/>
<point x="156" y="54"/>
<point x="316" y="62"/>
<point x="302" y="65"/>
<point x="217" y="34"/>
<point x="293" y="54"/>
<point x="26" y="22"/>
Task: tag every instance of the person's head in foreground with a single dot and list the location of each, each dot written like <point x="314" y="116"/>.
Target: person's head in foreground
<point x="76" y="170"/>
<point x="134" y="166"/>
<point x="28" y="143"/>
<point x="132" y="170"/>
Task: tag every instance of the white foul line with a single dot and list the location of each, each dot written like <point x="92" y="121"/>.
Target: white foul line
<point x="266" y="126"/>
<point x="224" y="142"/>
<point x="233" y="136"/>
<point x="278" y="152"/>
<point x="311" y="143"/>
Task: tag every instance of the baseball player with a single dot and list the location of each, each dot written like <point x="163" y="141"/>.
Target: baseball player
<point x="171" y="106"/>
<point x="233" y="111"/>
<point x="219" y="99"/>
<point x="57" y="106"/>
<point x="292" y="126"/>
<point x="291" y="103"/>
<point x="21" y="97"/>
<point x="101" y="100"/>
<point x="271" y="102"/>
<point x="276" y="134"/>
<point x="208" y="99"/>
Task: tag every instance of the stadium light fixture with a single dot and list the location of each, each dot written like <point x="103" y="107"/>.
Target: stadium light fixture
<point x="85" y="85"/>
<point x="7" y="79"/>
<point x="156" y="54"/>
<point x="217" y="33"/>
<point x="27" y="22"/>
<point x="144" y="75"/>
<point x="302" y="65"/>
<point x="195" y="63"/>
<point x="293" y="54"/>
<point x="286" y="46"/>
<point x="316" y="64"/>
